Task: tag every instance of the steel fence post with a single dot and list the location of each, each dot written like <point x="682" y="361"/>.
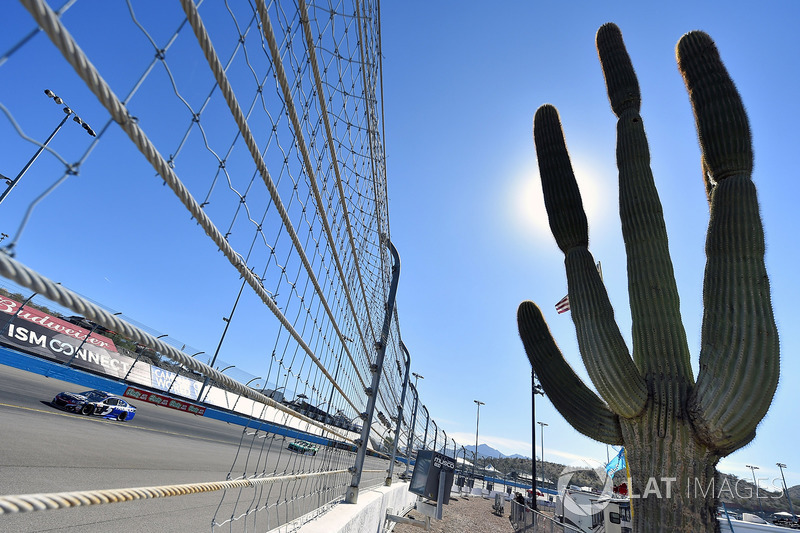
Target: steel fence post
<point x="399" y="416"/>
<point x="94" y="327"/>
<point x="138" y="355"/>
<point x="535" y="389"/>
<point x="222" y="338"/>
<point x="372" y="391"/>
<point x="427" y="421"/>
<point x="410" y="443"/>
<point x="177" y="375"/>
<point x="435" y="434"/>
<point x="240" y="396"/>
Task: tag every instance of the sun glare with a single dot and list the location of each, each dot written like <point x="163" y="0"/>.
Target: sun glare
<point x="528" y="215"/>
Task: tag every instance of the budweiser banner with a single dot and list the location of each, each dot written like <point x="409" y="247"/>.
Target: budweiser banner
<point x="36" y="332"/>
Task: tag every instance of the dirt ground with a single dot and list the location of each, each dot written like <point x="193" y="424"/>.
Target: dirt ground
<point x="463" y="514"/>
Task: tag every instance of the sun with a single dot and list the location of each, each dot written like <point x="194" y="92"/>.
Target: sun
<point x="527" y="211"/>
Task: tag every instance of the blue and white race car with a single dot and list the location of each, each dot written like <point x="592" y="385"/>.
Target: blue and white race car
<point x="95" y="402"/>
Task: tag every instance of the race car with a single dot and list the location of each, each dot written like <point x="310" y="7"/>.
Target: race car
<point x="303" y="447"/>
<point x="95" y="402"/>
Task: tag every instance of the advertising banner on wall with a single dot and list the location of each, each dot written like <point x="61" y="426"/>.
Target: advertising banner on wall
<point x="36" y="332"/>
<point x="169" y="381"/>
<point x="166" y="401"/>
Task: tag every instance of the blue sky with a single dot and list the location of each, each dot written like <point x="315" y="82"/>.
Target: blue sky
<point x="461" y="84"/>
<point x="461" y="87"/>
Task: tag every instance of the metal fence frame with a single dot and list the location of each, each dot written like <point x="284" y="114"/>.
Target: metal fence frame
<point x="366" y="281"/>
<point x="526" y="520"/>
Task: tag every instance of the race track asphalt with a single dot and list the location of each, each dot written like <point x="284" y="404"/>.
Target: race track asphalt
<point x="44" y="449"/>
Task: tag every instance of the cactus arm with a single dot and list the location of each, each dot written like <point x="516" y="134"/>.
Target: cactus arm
<point x="578" y="404"/>
<point x="602" y="347"/>
<point x="660" y="347"/>
<point x="739" y="357"/>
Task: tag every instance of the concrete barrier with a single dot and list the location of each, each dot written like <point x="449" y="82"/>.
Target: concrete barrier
<point x="366" y="516"/>
<point x="477" y="491"/>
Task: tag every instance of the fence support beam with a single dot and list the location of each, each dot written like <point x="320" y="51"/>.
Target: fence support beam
<point x="372" y="392"/>
<point x="410" y="443"/>
<point x="399" y="426"/>
<point x="427" y="421"/>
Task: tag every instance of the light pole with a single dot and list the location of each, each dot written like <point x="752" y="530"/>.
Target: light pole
<point x="786" y="490"/>
<point x="477" y="425"/>
<point x="753" y="470"/>
<point x="535" y="389"/>
<point x="68" y="112"/>
<point x="417" y="377"/>
<point x="542" y="424"/>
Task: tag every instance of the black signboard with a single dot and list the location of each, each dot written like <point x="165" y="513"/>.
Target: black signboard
<point x="425" y="479"/>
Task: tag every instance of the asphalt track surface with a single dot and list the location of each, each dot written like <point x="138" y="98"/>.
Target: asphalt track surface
<point x="44" y="449"/>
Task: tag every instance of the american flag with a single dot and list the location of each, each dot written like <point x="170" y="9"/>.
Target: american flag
<point x="563" y="305"/>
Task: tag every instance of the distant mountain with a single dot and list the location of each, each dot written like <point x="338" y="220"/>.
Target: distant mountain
<point x="484" y="450"/>
<point x="518" y="456"/>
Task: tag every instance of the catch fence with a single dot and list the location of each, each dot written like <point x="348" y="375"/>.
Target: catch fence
<point x="228" y="159"/>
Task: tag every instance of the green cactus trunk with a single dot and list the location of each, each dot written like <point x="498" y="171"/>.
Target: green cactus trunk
<point x="673" y="484"/>
<point x="674" y="429"/>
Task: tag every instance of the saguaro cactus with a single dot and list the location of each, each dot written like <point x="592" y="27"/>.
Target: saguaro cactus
<point x="675" y="429"/>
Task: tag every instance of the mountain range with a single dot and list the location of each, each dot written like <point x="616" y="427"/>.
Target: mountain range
<point x="484" y="450"/>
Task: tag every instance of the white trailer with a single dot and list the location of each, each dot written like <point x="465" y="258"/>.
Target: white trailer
<point x="593" y="513"/>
